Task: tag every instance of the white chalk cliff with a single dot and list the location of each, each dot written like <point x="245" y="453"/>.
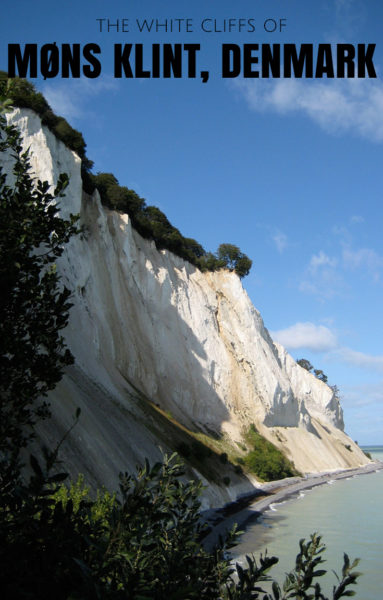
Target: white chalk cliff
<point x="153" y="336"/>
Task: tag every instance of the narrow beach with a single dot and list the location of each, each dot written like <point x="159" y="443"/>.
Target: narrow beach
<point x="251" y="507"/>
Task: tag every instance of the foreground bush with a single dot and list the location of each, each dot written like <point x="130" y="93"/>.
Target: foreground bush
<point x="34" y="305"/>
<point x="145" y="544"/>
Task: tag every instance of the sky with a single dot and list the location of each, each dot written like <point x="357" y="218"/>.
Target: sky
<point x="289" y="170"/>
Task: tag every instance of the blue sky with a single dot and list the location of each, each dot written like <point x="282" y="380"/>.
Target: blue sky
<point x="289" y="170"/>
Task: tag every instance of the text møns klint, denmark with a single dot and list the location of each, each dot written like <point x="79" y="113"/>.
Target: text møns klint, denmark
<point x="155" y="61"/>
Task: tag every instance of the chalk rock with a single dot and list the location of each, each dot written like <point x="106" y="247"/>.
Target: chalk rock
<point x="152" y="335"/>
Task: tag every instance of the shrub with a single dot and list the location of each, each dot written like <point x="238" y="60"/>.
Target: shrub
<point x="265" y="460"/>
<point x="144" y="544"/>
<point x="78" y="494"/>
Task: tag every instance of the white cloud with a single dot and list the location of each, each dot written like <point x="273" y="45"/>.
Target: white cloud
<point x="321" y="260"/>
<point x="322" y="339"/>
<point x="338" y="106"/>
<point x="363" y="258"/>
<point x="364" y="394"/>
<point x="322" y="279"/>
<point x="69" y="98"/>
<point x="355" y="219"/>
<point x="280" y="240"/>
<point x="328" y="276"/>
<point x="342" y="233"/>
<point x="359" y="359"/>
<point x="316" y="338"/>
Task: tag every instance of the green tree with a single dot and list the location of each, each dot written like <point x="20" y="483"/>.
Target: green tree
<point x="234" y="259"/>
<point x="305" y="364"/>
<point x="34" y="304"/>
<point x="320" y="375"/>
<point x="194" y="247"/>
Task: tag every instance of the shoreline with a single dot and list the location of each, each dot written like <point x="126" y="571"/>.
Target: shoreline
<point x="251" y="507"/>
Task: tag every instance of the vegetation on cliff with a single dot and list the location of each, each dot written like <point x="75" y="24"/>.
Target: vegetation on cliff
<point x="306" y="364"/>
<point x="266" y="460"/>
<point x="149" y="221"/>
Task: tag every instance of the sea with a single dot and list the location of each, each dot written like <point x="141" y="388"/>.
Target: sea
<point x="347" y="513"/>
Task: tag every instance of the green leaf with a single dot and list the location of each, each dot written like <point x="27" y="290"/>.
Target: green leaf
<point x="276" y="590"/>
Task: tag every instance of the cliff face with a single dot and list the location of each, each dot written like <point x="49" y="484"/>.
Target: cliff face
<point x="152" y="337"/>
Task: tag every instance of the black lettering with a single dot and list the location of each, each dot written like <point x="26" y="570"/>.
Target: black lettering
<point x="116" y="25"/>
<point x="298" y="62"/>
<point x="144" y="25"/>
<point x="231" y="60"/>
<point x="249" y="60"/>
<point x="159" y="25"/>
<point x="345" y="54"/>
<point x="267" y="27"/>
<point x="271" y="60"/>
<point x="121" y="60"/>
<point x="70" y="60"/>
<point x="324" y="61"/>
<point x="365" y="60"/>
<point x="192" y="50"/>
<point x="156" y="60"/>
<point x="205" y="21"/>
<point x="173" y="60"/>
<point x="100" y="23"/>
<point x="49" y="60"/>
<point x="23" y="61"/>
<point x="139" y="62"/>
<point x="88" y="51"/>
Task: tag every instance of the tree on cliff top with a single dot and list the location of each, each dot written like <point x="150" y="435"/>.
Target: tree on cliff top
<point x="234" y="259"/>
<point x="149" y="221"/>
<point x="306" y="364"/>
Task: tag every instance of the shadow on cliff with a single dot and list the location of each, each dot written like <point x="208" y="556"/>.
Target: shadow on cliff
<point x="136" y="353"/>
<point x="170" y="364"/>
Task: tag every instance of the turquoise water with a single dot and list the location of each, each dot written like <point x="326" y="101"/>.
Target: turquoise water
<point x="348" y="515"/>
